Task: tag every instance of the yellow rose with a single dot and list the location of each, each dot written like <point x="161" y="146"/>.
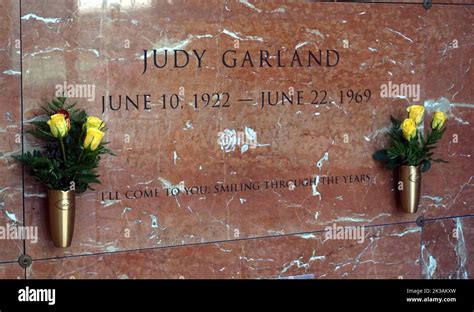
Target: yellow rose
<point x="439" y="119"/>
<point x="93" y="138"/>
<point x="58" y="125"/>
<point x="408" y="129"/>
<point x="415" y="112"/>
<point x="94" y="122"/>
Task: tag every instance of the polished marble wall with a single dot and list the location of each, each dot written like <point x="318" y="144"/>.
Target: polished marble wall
<point x="129" y="228"/>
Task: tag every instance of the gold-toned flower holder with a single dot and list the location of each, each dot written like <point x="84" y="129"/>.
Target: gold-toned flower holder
<point x="410" y="176"/>
<point x="61" y="206"/>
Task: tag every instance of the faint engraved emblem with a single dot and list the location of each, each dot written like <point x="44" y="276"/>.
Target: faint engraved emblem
<point x="414" y="177"/>
<point x="227" y="139"/>
<point x="230" y="139"/>
<point x="63" y="204"/>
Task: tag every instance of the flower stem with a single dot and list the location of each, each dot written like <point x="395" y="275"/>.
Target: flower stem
<point x="82" y="133"/>
<point x="64" y="157"/>
<point x="78" y="162"/>
<point x="80" y="156"/>
<point x="62" y="149"/>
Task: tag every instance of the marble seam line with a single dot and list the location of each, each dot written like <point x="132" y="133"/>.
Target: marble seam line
<point x="228" y="241"/>
<point x="402" y="3"/>
<point x="22" y="133"/>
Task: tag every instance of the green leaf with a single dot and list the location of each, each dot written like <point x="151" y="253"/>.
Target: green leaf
<point x="441" y="161"/>
<point x="395" y="121"/>
<point x="41" y="134"/>
<point x="48" y="166"/>
<point x="70" y="106"/>
<point x="394" y="163"/>
<point x="425" y="165"/>
<point x="381" y="155"/>
<point x="41" y="124"/>
<point x="53" y="107"/>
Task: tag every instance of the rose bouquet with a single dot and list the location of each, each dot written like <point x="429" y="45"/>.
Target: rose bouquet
<point x="411" y="152"/>
<point x="67" y="162"/>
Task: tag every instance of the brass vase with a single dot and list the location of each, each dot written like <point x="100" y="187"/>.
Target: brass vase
<point x="61" y="206"/>
<point x="410" y="176"/>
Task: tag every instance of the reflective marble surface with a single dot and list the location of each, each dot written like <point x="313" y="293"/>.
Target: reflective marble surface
<point x="278" y="229"/>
